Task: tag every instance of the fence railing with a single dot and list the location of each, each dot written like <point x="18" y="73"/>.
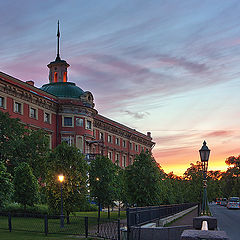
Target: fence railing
<point x="141" y="215"/>
<point x="82" y="226"/>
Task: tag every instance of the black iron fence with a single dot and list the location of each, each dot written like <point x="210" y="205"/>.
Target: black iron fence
<point x="142" y="215"/>
<point x="74" y="225"/>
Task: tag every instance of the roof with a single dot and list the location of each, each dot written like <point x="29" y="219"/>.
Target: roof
<point x="63" y="89"/>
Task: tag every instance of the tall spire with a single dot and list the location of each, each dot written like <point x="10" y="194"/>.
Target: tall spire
<point x="58" y="37"/>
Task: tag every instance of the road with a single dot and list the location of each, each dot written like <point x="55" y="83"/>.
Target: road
<point x="228" y="220"/>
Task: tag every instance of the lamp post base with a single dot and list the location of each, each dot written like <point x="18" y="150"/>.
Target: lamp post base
<point x="62" y="221"/>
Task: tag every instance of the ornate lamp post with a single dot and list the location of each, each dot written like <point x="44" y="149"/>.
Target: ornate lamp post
<point x="61" y="179"/>
<point x="204" y="155"/>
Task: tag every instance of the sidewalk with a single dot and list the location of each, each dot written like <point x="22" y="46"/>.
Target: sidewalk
<point x="186" y="219"/>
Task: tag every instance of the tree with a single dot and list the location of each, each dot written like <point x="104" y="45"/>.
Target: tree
<point x="11" y="131"/>
<point x="33" y="149"/>
<point x="66" y="160"/>
<point x="25" y="185"/>
<point x="6" y="188"/>
<point x="142" y="181"/>
<point x="102" y="180"/>
<point x="19" y="144"/>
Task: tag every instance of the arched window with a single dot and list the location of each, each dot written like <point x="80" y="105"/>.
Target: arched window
<point x="65" y="77"/>
<point x="55" y="77"/>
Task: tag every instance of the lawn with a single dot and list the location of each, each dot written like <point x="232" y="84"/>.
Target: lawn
<point x="33" y="228"/>
<point x="19" y="235"/>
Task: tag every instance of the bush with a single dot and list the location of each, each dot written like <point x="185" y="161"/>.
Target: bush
<point x="18" y="208"/>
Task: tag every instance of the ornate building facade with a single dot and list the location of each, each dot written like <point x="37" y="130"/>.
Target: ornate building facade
<point x="66" y="113"/>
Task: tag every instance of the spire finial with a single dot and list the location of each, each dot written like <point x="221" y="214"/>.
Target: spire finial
<point x="58" y="37"/>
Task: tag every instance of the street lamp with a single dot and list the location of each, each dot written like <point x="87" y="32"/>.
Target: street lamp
<point x="61" y="179"/>
<point x="204" y="155"/>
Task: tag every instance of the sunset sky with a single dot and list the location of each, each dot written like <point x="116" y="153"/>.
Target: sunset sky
<point x="171" y="67"/>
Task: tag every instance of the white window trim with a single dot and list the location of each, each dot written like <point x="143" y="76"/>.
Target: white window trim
<point x="87" y="119"/>
<point x="4" y="102"/>
<point x="50" y="117"/>
<point x="63" y="116"/>
<point x="110" y="155"/>
<point x="81" y="119"/>
<point x="36" y="118"/>
<point x="14" y="102"/>
<point x="110" y="136"/>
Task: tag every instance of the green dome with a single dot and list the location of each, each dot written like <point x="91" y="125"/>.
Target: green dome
<point x="63" y="89"/>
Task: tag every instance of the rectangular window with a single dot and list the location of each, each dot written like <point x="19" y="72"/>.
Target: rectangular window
<point x="130" y="161"/>
<point x="136" y="147"/>
<point x="101" y="136"/>
<point x="47" y="118"/>
<point x="17" y="107"/>
<point x="33" y="113"/>
<point x="117" y="159"/>
<point x="110" y="155"/>
<point x="124" y="161"/>
<point x="68" y="140"/>
<point x="109" y="138"/>
<point x="2" y="102"/>
<point x="124" y="143"/>
<point x="68" y="122"/>
<point x="79" y="122"/>
<point x="117" y="141"/>
<point x="89" y="125"/>
<point x="130" y="146"/>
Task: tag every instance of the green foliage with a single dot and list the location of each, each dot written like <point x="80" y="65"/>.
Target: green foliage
<point x="102" y="180"/>
<point x="6" y="188"/>
<point x="66" y="160"/>
<point x="18" y="208"/>
<point x="142" y="181"/>
<point x="25" y="185"/>
<point x="11" y="131"/>
<point x="19" y="144"/>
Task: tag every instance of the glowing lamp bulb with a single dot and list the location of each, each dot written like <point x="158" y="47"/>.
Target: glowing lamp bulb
<point x="61" y="178"/>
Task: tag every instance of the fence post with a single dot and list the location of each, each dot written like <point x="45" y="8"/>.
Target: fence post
<point x="86" y="226"/>
<point x="118" y="229"/>
<point x="45" y="225"/>
<point x="9" y="222"/>
<point x="128" y="224"/>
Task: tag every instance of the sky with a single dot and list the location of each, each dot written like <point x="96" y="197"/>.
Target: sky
<point x="170" y="67"/>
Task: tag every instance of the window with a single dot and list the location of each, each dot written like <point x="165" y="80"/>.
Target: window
<point x="89" y="124"/>
<point x="124" y="161"/>
<point x="17" y="107"/>
<point x="130" y="146"/>
<point x="109" y="138"/>
<point x="117" y="159"/>
<point x="79" y="122"/>
<point x="2" y="101"/>
<point x="68" y="140"/>
<point x="33" y="113"/>
<point x="47" y="118"/>
<point x="130" y="161"/>
<point x="101" y="136"/>
<point x="136" y="147"/>
<point x="68" y="122"/>
<point x="110" y="155"/>
<point x="117" y="141"/>
<point x="124" y="143"/>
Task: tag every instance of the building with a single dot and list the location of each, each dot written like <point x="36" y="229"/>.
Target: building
<point x="67" y="113"/>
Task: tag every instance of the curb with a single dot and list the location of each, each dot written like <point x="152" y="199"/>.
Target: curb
<point x="164" y="221"/>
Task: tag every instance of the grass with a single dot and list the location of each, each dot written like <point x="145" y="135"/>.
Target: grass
<point x="19" y="235"/>
<point x="22" y="226"/>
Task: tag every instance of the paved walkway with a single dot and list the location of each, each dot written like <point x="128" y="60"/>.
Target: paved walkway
<point x="186" y="219"/>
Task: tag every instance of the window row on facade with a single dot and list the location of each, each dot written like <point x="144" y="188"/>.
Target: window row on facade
<point x="18" y="107"/>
